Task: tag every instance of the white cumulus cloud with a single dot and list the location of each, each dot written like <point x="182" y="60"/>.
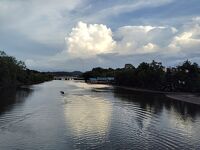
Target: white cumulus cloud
<point x="89" y="40"/>
<point x="92" y="45"/>
<point x="86" y="40"/>
<point x="188" y="40"/>
<point x="142" y="39"/>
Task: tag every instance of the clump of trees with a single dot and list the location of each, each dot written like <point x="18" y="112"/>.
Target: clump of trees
<point x="14" y="72"/>
<point x="99" y="72"/>
<point x="154" y="75"/>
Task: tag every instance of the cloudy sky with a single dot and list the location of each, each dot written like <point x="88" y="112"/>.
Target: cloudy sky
<point x="55" y="35"/>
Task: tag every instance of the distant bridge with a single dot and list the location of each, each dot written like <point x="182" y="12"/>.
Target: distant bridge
<point x="67" y="78"/>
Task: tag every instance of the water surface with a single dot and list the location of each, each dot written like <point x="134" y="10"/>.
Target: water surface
<point x="94" y="117"/>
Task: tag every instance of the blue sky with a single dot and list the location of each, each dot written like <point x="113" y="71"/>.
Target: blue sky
<point x="55" y="35"/>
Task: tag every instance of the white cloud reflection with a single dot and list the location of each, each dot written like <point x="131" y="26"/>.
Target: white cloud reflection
<point x="88" y="116"/>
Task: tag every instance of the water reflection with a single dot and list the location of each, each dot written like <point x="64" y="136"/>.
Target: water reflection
<point x="88" y="118"/>
<point x="156" y="103"/>
<point x="11" y="96"/>
<point x="95" y="117"/>
<point x="174" y="122"/>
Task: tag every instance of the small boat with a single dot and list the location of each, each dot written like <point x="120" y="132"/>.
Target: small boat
<point x="62" y="92"/>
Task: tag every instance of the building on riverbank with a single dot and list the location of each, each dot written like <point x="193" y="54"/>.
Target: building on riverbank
<point x="101" y="80"/>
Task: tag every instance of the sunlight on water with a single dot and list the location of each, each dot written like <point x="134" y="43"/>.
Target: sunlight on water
<point x="83" y="85"/>
<point x="88" y="117"/>
<point x="179" y="123"/>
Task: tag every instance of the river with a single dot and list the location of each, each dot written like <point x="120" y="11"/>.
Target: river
<point x="94" y="117"/>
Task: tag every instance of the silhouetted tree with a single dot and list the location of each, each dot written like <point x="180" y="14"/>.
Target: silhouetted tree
<point x="154" y="75"/>
<point x="14" y="72"/>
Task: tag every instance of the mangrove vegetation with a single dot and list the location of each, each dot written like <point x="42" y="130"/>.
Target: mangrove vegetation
<point x="15" y="73"/>
<point x="154" y="76"/>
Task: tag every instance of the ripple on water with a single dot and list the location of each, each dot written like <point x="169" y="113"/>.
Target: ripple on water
<point x="88" y="119"/>
<point x="96" y="119"/>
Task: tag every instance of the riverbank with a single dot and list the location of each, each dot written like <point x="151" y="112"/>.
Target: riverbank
<point x="192" y="98"/>
<point x="186" y="97"/>
<point x="23" y="85"/>
<point x="141" y="90"/>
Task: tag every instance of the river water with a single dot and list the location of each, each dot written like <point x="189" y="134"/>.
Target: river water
<point x="94" y="117"/>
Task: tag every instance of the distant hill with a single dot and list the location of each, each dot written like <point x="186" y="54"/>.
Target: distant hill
<point x="63" y="73"/>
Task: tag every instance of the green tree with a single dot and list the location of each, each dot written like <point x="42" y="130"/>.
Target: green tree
<point x="14" y="72"/>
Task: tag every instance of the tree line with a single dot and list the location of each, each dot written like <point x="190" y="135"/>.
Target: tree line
<point x="15" y="73"/>
<point x="154" y="76"/>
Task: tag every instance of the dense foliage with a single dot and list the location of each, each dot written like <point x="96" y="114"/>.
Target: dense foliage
<point x="15" y="73"/>
<point x="185" y="77"/>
